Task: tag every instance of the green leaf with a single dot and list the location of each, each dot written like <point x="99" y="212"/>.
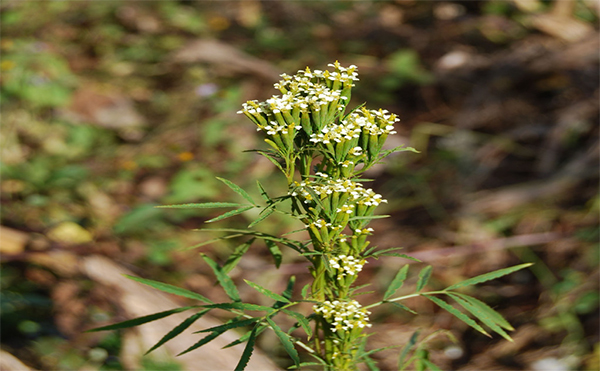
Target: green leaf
<point x="179" y="329"/>
<point x="170" y="289"/>
<point x="293" y="244"/>
<point x="238" y="190"/>
<point x="402" y="306"/>
<point x="396" y="283"/>
<point x="262" y="216"/>
<point x="273" y="160"/>
<point x="235" y="257"/>
<point x="370" y="363"/>
<point x="304" y="291"/>
<point x="285" y="341"/>
<point x="289" y="288"/>
<point x="205" y="340"/>
<point x="275" y="252"/>
<point x="263" y="192"/>
<point x="240" y="306"/>
<point x="262" y="327"/>
<point x="407" y="348"/>
<point x="266" y="292"/>
<point x="430" y="365"/>
<point x="302" y="321"/>
<point x="481" y="313"/>
<point x="495" y="316"/>
<point x="489" y="276"/>
<point x="140" y="320"/>
<point x="223" y="279"/>
<point x="368" y="217"/>
<point x="231" y="213"/>
<point x="461" y="316"/>
<point x="230" y="325"/>
<point x="206" y="205"/>
<point x="247" y="351"/>
<point x="424" y="276"/>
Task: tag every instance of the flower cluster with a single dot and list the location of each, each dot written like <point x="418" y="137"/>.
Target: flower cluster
<point x="346" y="265"/>
<point x="343" y="315"/>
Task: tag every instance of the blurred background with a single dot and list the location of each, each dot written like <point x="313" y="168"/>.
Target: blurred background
<point x="110" y="108"/>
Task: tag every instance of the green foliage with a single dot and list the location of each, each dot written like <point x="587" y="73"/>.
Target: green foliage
<point x="317" y="147"/>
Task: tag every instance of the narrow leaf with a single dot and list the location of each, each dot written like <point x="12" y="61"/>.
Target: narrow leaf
<point x="489" y="276"/>
<point x="458" y="314"/>
<point x="495" y="316"/>
<point x="205" y="340"/>
<point x="231" y="213"/>
<point x="247" y="351"/>
<point x="235" y="257"/>
<point x="140" y="320"/>
<point x="263" y="192"/>
<point x="302" y="321"/>
<point x="289" y="288"/>
<point x="262" y="327"/>
<point x="240" y="306"/>
<point x="370" y="364"/>
<point x="262" y="216"/>
<point x="223" y="279"/>
<point x="402" y="306"/>
<point x="424" y="276"/>
<point x="179" y="329"/>
<point x="481" y="315"/>
<point x="285" y="341"/>
<point x="230" y="325"/>
<point x="396" y="283"/>
<point x="273" y="160"/>
<point x="238" y="190"/>
<point x="430" y="365"/>
<point x="266" y="292"/>
<point x="275" y="252"/>
<point x="206" y="205"/>
<point x="170" y="289"/>
<point x="407" y="348"/>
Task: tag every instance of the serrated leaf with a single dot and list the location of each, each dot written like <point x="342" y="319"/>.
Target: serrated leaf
<point x="247" y="351"/>
<point x="262" y="216"/>
<point x="266" y="292"/>
<point x="235" y="257"/>
<point x="424" y="276"/>
<point x="230" y="213"/>
<point x="397" y="282"/>
<point x="285" y="341"/>
<point x="225" y="281"/>
<point x="495" y="316"/>
<point x="480" y="314"/>
<point x="238" y="190"/>
<point x="179" y="329"/>
<point x="301" y="319"/>
<point x="402" y="306"/>
<point x="205" y="340"/>
<point x="165" y="287"/>
<point x="304" y="291"/>
<point x="407" y="348"/>
<point x="275" y="252"/>
<point x="239" y="306"/>
<point x="261" y="327"/>
<point x="230" y="325"/>
<point x="458" y="314"/>
<point x="140" y="320"/>
<point x="206" y="205"/>
<point x="488" y="276"/>
<point x="289" y="289"/>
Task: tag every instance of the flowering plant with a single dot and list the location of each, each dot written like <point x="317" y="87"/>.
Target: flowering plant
<point x="322" y="151"/>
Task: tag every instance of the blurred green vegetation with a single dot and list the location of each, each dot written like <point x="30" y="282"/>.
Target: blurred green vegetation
<point x="102" y="119"/>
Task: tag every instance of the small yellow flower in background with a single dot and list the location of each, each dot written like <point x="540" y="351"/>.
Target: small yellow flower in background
<point x="70" y="233"/>
<point x="185" y="156"/>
